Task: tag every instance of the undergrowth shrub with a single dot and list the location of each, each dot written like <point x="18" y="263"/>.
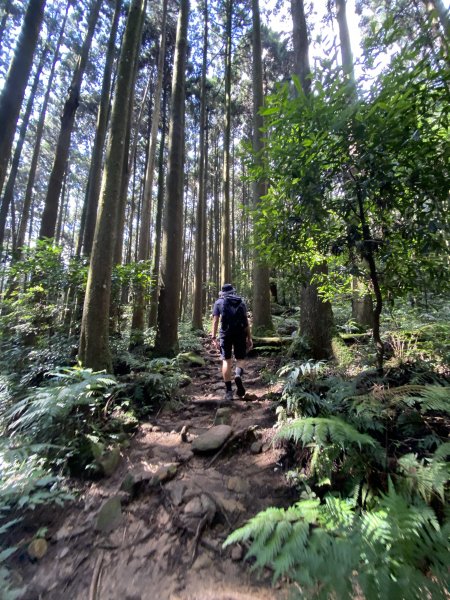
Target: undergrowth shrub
<point x="158" y="385"/>
<point x="333" y="549"/>
<point x="67" y="415"/>
<point x="371" y="463"/>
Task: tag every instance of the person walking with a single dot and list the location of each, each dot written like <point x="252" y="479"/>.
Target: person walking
<point x="234" y="335"/>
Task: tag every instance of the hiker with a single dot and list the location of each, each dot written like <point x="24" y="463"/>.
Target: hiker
<point x="234" y="334"/>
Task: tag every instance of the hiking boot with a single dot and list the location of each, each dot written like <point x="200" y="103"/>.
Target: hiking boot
<point x="229" y="395"/>
<point x="240" y="386"/>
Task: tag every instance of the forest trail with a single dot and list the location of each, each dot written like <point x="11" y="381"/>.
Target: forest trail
<point x="163" y="537"/>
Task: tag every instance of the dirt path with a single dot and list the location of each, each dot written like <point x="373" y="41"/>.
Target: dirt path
<point x="164" y="539"/>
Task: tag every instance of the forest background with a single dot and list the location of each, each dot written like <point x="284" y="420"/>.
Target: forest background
<point x="150" y="153"/>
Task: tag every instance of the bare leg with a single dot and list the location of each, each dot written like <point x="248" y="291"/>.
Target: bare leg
<point x="226" y="369"/>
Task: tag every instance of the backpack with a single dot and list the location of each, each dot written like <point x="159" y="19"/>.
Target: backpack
<point x="234" y="318"/>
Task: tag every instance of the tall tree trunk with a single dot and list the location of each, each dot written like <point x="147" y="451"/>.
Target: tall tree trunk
<point x="225" y="267"/>
<point x="217" y="220"/>
<point x="94" y="349"/>
<point x="344" y="36"/>
<point x="169" y="295"/>
<point x="38" y="140"/>
<point x="16" y="81"/>
<point x="262" y="319"/>
<point x="301" y="45"/>
<point x="362" y="304"/>
<point x="9" y="188"/>
<point x="5" y="14"/>
<point x="95" y="169"/>
<point x="197" y="311"/>
<point x="316" y="320"/>
<point x="50" y="213"/>
<point x="152" y="321"/>
<point x="138" y="319"/>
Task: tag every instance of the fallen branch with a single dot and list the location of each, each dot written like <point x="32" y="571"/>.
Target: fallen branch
<point x="96" y="577"/>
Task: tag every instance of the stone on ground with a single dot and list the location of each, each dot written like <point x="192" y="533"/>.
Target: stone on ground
<point x="213" y="439"/>
<point x="109" y="515"/>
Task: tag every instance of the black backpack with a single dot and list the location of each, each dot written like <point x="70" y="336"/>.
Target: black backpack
<point x="234" y="318"/>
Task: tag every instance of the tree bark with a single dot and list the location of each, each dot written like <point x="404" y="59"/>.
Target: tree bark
<point x="225" y="266"/>
<point x="197" y="310"/>
<point x="169" y="296"/>
<point x="6" y="11"/>
<point x="152" y="321"/>
<point x="94" y="349"/>
<point x="16" y="81"/>
<point x="38" y="140"/>
<point x="316" y="316"/>
<point x="301" y="45"/>
<point x="262" y="319"/>
<point x="9" y="188"/>
<point x="95" y="169"/>
<point x="344" y="36"/>
<point x="138" y="318"/>
<point x="50" y="213"/>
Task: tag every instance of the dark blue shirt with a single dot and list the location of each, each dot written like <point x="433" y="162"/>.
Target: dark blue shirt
<point x="218" y="309"/>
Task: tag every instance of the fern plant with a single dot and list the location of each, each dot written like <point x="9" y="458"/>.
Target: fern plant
<point x="72" y="394"/>
<point x="333" y="550"/>
<point x="324" y="430"/>
<point x="427" y="477"/>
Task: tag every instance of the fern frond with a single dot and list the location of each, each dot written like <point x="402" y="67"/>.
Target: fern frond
<point x="37" y="414"/>
<point x="426" y="477"/>
<point x="434" y="398"/>
<point x="383" y="553"/>
<point x="322" y="431"/>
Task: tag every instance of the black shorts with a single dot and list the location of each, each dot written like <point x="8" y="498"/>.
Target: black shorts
<point x="237" y="342"/>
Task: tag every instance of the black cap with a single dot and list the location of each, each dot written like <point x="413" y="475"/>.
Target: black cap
<point x="227" y="287"/>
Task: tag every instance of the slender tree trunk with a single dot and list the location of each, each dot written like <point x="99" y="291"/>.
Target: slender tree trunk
<point x="301" y="45"/>
<point x="5" y="14"/>
<point x="16" y="81"/>
<point x="9" y="188"/>
<point x="38" y="140"/>
<point x="50" y="213"/>
<point x="225" y="267"/>
<point x="316" y="316"/>
<point x="138" y="319"/>
<point x="262" y="319"/>
<point x="158" y="221"/>
<point x="63" y="210"/>
<point x="344" y="36"/>
<point x="362" y="304"/>
<point x="205" y="194"/>
<point x="94" y="349"/>
<point x="197" y="311"/>
<point x="217" y="235"/>
<point x="95" y="169"/>
<point x="169" y="296"/>
<point x="369" y="256"/>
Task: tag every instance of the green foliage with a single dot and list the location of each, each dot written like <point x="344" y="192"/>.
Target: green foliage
<point x="332" y="549"/>
<point x="343" y="355"/>
<point x="26" y="480"/>
<point x="299" y="348"/>
<point x="72" y="394"/>
<point x="322" y="431"/>
<point x="36" y="315"/>
<point x="154" y="387"/>
<point x="373" y="522"/>
<point x="67" y="417"/>
<point x="373" y="169"/>
<point x="189" y="340"/>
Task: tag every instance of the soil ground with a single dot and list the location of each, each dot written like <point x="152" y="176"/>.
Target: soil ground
<point x="166" y="541"/>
